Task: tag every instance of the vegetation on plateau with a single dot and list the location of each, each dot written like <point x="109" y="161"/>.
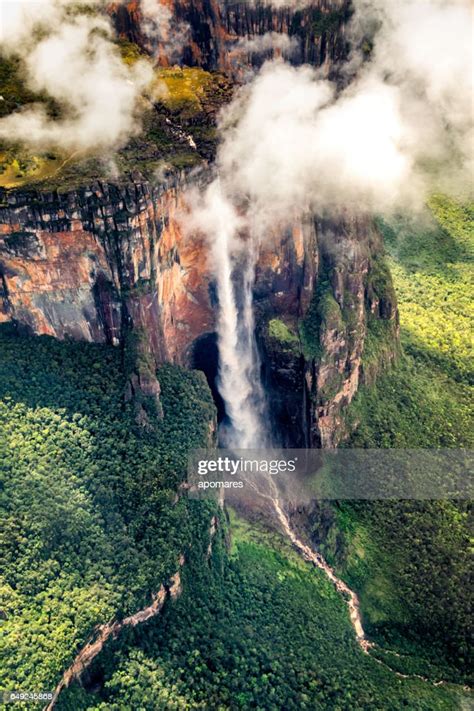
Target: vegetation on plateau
<point x="181" y="104"/>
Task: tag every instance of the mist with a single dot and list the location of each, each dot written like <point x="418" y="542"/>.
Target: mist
<point x="69" y="54"/>
<point x="402" y="126"/>
<point x="163" y="32"/>
<point x="269" y="42"/>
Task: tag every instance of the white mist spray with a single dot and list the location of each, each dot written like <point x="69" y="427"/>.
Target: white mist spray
<point x="239" y="368"/>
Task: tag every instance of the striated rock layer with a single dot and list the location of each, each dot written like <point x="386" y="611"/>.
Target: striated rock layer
<point x="97" y="262"/>
<point x="110" y="264"/>
<point x="211" y="32"/>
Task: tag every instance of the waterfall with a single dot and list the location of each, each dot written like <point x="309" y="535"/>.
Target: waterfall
<point x="239" y="366"/>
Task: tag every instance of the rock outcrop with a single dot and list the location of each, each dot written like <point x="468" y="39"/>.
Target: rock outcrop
<point x="318" y="303"/>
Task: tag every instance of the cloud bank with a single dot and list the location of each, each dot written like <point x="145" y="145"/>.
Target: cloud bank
<point x="69" y="55"/>
<point x="269" y="42"/>
<point x="292" y="141"/>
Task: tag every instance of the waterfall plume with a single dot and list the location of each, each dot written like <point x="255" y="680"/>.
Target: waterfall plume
<point x="239" y="367"/>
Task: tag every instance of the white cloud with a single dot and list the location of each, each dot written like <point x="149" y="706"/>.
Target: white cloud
<point x="71" y="58"/>
<point x="293" y="141"/>
<point x="269" y="42"/>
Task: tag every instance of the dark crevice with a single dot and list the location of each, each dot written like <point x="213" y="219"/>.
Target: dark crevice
<point x="205" y="356"/>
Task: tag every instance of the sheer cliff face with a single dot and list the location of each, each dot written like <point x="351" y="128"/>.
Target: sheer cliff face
<point x="98" y="264"/>
<point x="319" y="304"/>
<point x="216" y="28"/>
<point x="95" y="263"/>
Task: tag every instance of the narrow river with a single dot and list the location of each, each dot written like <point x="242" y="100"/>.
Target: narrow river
<point x="317" y="560"/>
<point x="350" y="597"/>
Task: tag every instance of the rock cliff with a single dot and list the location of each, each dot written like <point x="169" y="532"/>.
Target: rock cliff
<point x="327" y="320"/>
<point x="215" y="30"/>
<point x="110" y="263"/>
<point x="96" y="262"/>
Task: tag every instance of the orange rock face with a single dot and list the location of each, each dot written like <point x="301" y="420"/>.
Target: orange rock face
<point x="48" y="283"/>
<point x="104" y="258"/>
<point x="107" y="268"/>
